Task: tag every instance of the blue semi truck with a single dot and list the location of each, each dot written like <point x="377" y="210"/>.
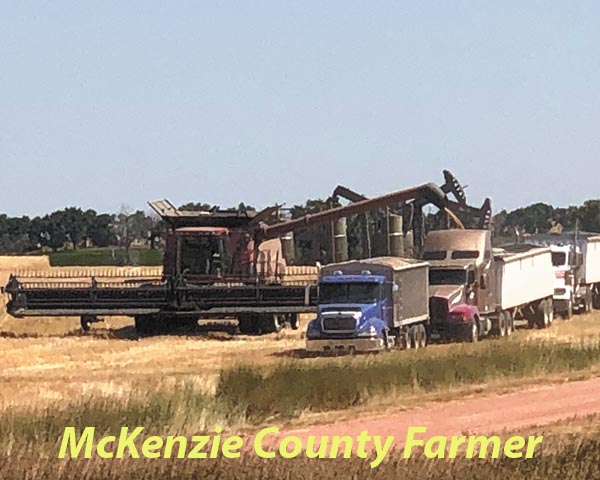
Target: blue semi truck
<point x="371" y="305"/>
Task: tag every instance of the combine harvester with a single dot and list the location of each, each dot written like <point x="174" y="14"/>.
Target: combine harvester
<point x="217" y="264"/>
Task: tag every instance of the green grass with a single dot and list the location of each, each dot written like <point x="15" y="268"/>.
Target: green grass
<point x="290" y="388"/>
<point x="93" y="257"/>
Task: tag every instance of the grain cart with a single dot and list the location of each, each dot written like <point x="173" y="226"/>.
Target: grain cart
<point x="371" y="305"/>
<point x="217" y="264"/>
<point x="476" y="291"/>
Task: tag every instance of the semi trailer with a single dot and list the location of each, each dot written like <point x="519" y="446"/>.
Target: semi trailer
<point x="217" y="264"/>
<point x="371" y="305"/>
<point x="576" y="260"/>
<point x="477" y="291"/>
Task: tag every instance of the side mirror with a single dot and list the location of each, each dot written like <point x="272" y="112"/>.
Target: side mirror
<point x="483" y="281"/>
<point x="395" y="287"/>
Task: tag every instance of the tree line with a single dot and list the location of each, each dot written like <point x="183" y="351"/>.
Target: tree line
<point x="542" y="218"/>
<point x="75" y="228"/>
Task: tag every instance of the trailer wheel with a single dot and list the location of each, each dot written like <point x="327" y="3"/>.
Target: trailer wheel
<point x="419" y="335"/>
<point x="596" y="297"/>
<point x="510" y="323"/>
<point x="542" y="315"/>
<point x="588" y="301"/>
<point x="412" y="339"/>
<point x="550" y="308"/>
<point x="422" y="335"/>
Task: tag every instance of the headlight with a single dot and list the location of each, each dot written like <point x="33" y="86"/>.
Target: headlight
<point x="458" y="317"/>
<point x="369" y="332"/>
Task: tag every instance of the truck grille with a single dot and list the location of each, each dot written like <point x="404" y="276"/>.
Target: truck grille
<point x="438" y="309"/>
<point x="339" y="324"/>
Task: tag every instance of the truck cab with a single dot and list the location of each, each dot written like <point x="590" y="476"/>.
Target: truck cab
<point x="564" y="278"/>
<point x="352" y="313"/>
<point x="461" y="282"/>
<point x="575" y="258"/>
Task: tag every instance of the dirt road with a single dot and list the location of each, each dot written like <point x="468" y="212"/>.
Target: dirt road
<point x="479" y="415"/>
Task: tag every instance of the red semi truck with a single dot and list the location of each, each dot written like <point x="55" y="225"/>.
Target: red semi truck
<point x="476" y="290"/>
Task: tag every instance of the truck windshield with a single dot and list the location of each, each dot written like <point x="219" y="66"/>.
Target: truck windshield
<point x="435" y="255"/>
<point x="447" y="277"/>
<point x="348" y="293"/>
<point x="464" y="254"/>
<point x="559" y="259"/>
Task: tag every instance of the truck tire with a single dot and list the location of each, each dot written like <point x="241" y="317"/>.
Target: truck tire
<point x="402" y="341"/>
<point x="294" y="324"/>
<point x="568" y="313"/>
<point x="501" y="325"/>
<point x="386" y="339"/>
<point x="473" y="332"/>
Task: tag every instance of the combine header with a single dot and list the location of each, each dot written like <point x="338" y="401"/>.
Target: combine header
<point x="217" y="264"/>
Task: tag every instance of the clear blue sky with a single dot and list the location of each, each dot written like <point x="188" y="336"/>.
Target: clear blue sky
<point x="104" y="103"/>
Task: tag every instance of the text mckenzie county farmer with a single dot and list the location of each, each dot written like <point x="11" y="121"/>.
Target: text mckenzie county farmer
<point x="270" y="443"/>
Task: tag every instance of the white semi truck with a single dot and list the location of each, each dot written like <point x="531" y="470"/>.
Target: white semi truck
<point x="576" y="261"/>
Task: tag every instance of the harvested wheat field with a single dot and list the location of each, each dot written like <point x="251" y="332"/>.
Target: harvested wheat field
<point x="47" y="360"/>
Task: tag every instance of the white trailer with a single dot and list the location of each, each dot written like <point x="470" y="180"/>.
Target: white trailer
<point x="525" y="284"/>
<point x="591" y="260"/>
